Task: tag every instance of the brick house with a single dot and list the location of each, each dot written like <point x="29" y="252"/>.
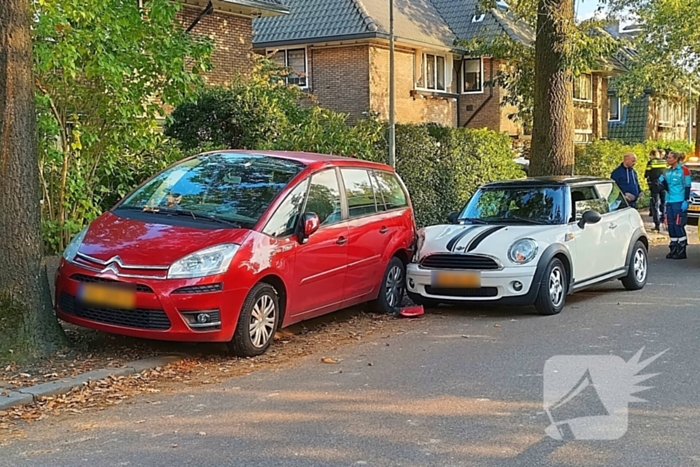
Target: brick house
<point x="230" y="24"/>
<point x="340" y="50"/>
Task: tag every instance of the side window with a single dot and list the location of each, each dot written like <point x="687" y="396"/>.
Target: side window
<point x="285" y="220"/>
<point x="324" y="197"/>
<point x="359" y="192"/>
<point x="584" y="199"/>
<point x="390" y="188"/>
<point x="613" y="196"/>
<point x="381" y="205"/>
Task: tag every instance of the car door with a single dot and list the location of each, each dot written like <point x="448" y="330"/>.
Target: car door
<point x="367" y="232"/>
<point x="589" y="261"/>
<point x="617" y="225"/>
<point x="321" y="261"/>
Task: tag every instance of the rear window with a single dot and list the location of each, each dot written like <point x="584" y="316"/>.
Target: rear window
<point x="359" y="192"/>
<point x="390" y="191"/>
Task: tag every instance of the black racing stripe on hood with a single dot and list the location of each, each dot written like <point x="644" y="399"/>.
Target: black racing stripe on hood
<point x="453" y="242"/>
<point x="482" y="236"/>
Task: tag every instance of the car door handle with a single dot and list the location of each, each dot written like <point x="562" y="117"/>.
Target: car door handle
<point x="341" y="241"/>
<point x="612" y="226"/>
<point x="384" y="229"/>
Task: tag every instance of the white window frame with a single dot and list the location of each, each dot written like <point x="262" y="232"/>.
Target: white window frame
<point x="481" y="75"/>
<point x="668" y="108"/>
<point x="619" y="109"/>
<point x="590" y="87"/>
<point x="422" y="76"/>
<point x="307" y="76"/>
<point x="587" y="136"/>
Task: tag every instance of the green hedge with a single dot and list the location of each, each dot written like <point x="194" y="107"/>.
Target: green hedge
<point x="442" y="167"/>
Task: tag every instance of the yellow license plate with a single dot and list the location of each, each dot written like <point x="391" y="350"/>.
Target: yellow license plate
<point x="107" y="296"/>
<point x="456" y="280"/>
<point x="693" y="207"/>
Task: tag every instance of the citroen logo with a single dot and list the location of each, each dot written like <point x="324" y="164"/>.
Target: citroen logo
<point x="111" y="268"/>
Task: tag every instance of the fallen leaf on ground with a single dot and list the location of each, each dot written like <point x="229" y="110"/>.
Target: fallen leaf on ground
<point x="329" y="360"/>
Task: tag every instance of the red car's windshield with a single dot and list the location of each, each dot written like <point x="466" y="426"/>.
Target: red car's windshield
<point x="232" y="187"/>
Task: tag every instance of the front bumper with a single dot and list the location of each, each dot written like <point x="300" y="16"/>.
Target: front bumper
<point x="162" y="312"/>
<point x="496" y="286"/>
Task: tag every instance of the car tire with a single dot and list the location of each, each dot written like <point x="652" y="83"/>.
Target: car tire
<point x="418" y="299"/>
<point x="636" y="277"/>
<point x="257" y="322"/>
<point x="551" y="296"/>
<point x="392" y="288"/>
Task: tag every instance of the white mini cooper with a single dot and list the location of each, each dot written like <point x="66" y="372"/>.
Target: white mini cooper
<point x="531" y="241"/>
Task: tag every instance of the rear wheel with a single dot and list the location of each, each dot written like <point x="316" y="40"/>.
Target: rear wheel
<point x="636" y="277"/>
<point x="552" y="293"/>
<point x="257" y="322"/>
<point x="392" y="287"/>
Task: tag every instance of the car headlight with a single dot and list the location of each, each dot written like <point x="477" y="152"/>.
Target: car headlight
<point x="523" y="251"/>
<point x="207" y="262"/>
<point x="74" y="245"/>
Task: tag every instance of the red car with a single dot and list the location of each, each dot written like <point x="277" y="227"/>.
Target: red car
<point x="229" y="246"/>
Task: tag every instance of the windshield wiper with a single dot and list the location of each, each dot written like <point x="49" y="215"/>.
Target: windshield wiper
<point x="186" y="213"/>
<point x="473" y="220"/>
<point x="527" y="219"/>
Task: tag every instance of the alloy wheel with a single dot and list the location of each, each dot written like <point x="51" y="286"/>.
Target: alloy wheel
<point x="394" y="286"/>
<point x="262" y="321"/>
<point x="556" y="286"/>
<point x="640" y="266"/>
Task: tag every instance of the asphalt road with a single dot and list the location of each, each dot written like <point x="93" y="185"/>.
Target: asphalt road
<point x="429" y="397"/>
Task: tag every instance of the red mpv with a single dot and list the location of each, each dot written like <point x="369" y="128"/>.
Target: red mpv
<point x="229" y="246"/>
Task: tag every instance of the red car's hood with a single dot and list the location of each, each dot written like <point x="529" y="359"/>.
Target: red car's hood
<point x="145" y="243"/>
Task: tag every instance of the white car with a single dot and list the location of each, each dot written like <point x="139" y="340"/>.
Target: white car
<point x="531" y="241"/>
<point x="694" y="205"/>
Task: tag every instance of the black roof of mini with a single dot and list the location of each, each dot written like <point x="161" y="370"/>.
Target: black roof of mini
<point x="547" y="181"/>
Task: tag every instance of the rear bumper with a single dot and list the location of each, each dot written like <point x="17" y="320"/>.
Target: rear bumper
<point x="496" y="286"/>
<point x="160" y="313"/>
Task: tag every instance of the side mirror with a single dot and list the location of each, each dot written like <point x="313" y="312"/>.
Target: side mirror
<point x="589" y="217"/>
<point x="452" y="217"/>
<point x="309" y="225"/>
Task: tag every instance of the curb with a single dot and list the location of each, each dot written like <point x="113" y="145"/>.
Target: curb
<point x="31" y="394"/>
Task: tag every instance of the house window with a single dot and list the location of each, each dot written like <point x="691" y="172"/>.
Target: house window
<point x="615" y="108"/>
<point x="583" y="87"/>
<point x="472" y="71"/>
<point x="433" y="68"/>
<point x="295" y="60"/>
<point x="583" y="136"/>
<point x="665" y="112"/>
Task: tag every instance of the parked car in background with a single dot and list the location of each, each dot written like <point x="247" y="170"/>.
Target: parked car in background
<point x="531" y="241"/>
<point x="694" y="205"/>
<point x="228" y="246"/>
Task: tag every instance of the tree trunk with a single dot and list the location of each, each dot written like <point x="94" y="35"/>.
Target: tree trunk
<point x="28" y="326"/>
<point x="552" y="151"/>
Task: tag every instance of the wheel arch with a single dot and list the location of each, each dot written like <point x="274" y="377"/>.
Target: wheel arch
<point x="638" y="236"/>
<point x="560" y="252"/>
<point x="281" y="289"/>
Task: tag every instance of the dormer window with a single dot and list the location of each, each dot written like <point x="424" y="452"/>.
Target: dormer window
<point x="478" y="18"/>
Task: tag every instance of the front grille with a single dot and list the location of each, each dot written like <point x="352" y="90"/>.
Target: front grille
<point x="483" y="292"/>
<point x="83" y="278"/>
<point x="199" y="289"/>
<point x="446" y="261"/>
<point x="138" y="319"/>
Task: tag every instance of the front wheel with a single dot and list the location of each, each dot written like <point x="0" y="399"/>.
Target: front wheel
<point x="636" y="277"/>
<point x="552" y="293"/>
<point x="257" y="322"/>
<point x="392" y="287"/>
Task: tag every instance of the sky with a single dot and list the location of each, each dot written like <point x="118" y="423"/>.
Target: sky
<point x="585" y="8"/>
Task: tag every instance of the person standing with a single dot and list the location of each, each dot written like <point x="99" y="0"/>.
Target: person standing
<point x="655" y="169"/>
<point x="677" y="182"/>
<point x="626" y="178"/>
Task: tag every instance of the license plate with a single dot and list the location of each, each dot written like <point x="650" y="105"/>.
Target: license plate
<point x="694" y="207"/>
<point x="456" y="280"/>
<point x="109" y="296"/>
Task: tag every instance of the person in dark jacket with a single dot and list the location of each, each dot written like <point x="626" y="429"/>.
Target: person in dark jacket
<point x="655" y="169"/>
<point x="626" y="178"/>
